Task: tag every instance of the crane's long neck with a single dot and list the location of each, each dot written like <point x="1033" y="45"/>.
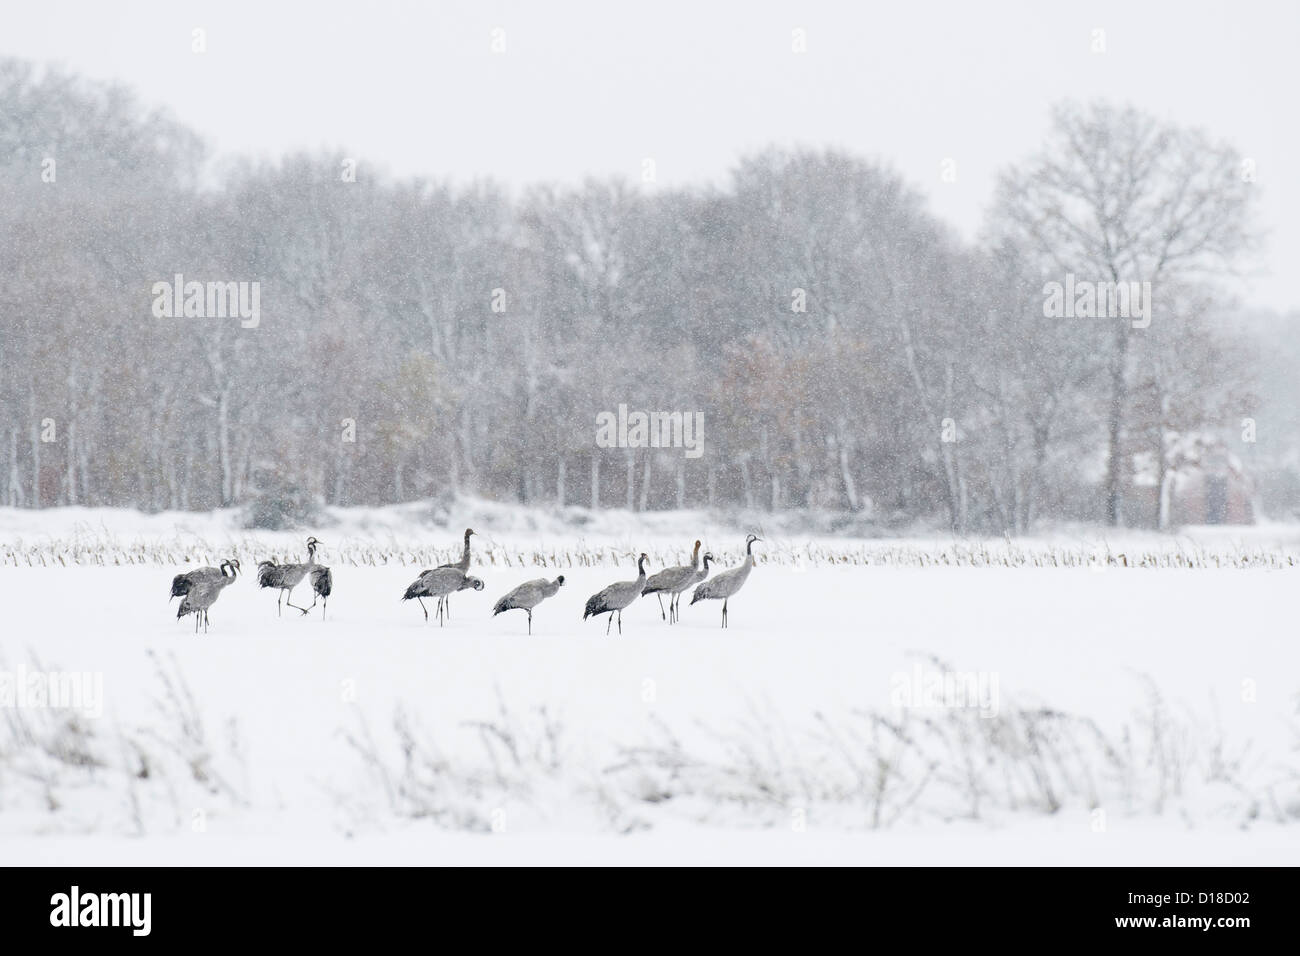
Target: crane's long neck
<point x="640" y="568"/>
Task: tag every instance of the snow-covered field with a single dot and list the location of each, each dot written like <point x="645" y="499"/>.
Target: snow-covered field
<point x="1095" y="712"/>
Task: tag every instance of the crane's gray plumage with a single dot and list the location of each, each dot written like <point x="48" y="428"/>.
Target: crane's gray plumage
<point x="322" y="586"/>
<point x="286" y="577"/>
<point x="203" y="593"/>
<point x="701" y="574"/>
<point x="439" y="582"/>
<point x="463" y="563"/>
<point x="614" y="598"/>
<point x="724" y="585"/>
<point x="527" y="596"/>
<point x="673" y="581"/>
<point x="444" y="603"/>
<point x="182" y="583"/>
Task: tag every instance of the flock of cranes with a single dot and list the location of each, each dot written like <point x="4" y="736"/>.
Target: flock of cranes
<point x="200" y="588"/>
<point x="286" y="577"/>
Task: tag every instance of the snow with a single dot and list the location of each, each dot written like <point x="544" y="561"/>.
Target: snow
<point x="813" y="647"/>
<point x="1032" y="843"/>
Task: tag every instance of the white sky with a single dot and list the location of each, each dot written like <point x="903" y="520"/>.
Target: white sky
<point x="592" y="87"/>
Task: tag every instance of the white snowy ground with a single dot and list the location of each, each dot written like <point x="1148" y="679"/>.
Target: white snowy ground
<point x="1124" y="715"/>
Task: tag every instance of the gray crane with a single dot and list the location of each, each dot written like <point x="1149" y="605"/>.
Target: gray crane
<point x="614" y="598"/>
<point x="727" y="583"/>
<point x="439" y="582"/>
<point x="673" y="581"/>
<point x="286" y="577"/>
<point x="322" y="585"/>
<point x="444" y="603"/>
<point x="182" y="583"/>
<point x="698" y="576"/>
<point x="203" y="593"/>
<point x="527" y="596"/>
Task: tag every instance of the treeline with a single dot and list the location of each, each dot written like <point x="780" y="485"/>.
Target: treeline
<point x="847" y="352"/>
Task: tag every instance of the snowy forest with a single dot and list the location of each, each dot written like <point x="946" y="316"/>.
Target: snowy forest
<point x="847" y="350"/>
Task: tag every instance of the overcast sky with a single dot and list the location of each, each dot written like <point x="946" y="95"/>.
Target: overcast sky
<point x="594" y="88"/>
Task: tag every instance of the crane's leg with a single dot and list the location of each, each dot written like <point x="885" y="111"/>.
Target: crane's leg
<point x="289" y="601"/>
<point x="620" y="621"/>
<point x="426" y="610"/>
<point x="279" y="597"/>
<point x="196" y="622"/>
<point x="661" y="604"/>
<point x="323" y="605"/>
<point x="530" y="621"/>
<point x="446" y="606"/>
<point x="724" y="612"/>
<point x="608" y="623"/>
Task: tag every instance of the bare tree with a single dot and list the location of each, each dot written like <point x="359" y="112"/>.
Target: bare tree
<point x="1118" y="196"/>
<point x="834" y="333"/>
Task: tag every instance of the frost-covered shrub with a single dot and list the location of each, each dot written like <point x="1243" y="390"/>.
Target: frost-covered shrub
<point x="283" y="508"/>
<point x="64" y="772"/>
<point x="848" y="771"/>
